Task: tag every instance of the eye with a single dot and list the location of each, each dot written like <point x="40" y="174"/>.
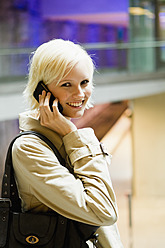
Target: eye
<point x="67" y="84"/>
<point x="84" y="82"/>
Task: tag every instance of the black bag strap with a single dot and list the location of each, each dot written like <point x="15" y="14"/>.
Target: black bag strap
<point x="9" y="187"/>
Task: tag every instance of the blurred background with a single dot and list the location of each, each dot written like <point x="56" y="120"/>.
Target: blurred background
<point x="127" y="42"/>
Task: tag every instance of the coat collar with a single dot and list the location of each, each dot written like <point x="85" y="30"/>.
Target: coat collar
<point x="29" y="121"/>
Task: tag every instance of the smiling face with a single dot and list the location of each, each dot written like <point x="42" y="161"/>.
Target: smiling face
<point x="74" y="90"/>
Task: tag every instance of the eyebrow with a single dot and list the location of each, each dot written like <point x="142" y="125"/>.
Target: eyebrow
<point x="71" y="80"/>
<point x="66" y="80"/>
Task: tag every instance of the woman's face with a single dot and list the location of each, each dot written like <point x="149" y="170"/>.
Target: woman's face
<point x="74" y="90"/>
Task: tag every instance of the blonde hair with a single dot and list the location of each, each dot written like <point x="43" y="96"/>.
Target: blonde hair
<point x="52" y="61"/>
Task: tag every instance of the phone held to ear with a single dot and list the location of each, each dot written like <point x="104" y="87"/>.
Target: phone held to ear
<point x="38" y="91"/>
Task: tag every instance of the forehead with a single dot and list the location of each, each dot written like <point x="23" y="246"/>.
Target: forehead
<point x="82" y="69"/>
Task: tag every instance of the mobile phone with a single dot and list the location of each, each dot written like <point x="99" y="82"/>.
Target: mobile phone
<point x="38" y="91"/>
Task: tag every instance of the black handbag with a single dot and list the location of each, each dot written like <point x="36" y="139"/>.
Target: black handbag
<point x="45" y="230"/>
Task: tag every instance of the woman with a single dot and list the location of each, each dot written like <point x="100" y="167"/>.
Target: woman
<point x="86" y="195"/>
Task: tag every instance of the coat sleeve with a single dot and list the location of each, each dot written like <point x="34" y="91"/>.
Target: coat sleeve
<point x="86" y="196"/>
<point x="109" y="237"/>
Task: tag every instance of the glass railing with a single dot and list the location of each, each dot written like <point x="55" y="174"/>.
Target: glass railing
<point x="123" y="61"/>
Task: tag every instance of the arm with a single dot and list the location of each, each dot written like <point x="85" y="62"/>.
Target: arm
<point x="87" y="197"/>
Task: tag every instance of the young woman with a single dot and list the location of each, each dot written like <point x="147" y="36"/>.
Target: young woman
<point x="82" y="191"/>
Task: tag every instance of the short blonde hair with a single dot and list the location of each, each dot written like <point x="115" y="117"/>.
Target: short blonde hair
<point x="52" y="61"/>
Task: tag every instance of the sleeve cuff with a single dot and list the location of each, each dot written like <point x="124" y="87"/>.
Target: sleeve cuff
<point x="81" y="143"/>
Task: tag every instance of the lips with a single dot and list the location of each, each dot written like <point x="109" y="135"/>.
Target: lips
<point x="76" y="104"/>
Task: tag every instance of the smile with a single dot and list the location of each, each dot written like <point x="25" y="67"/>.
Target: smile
<point x="75" y="104"/>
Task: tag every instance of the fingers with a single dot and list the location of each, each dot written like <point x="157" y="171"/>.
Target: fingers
<point x="46" y="115"/>
<point x="53" y="120"/>
<point x="44" y="100"/>
<point x="48" y="118"/>
<point x="44" y="107"/>
<point x="55" y="106"/>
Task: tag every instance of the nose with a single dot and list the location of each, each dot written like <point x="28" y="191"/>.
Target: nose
<point x="78" y="92"/>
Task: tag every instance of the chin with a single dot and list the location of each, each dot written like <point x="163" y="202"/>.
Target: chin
<point x="77" y="115"/>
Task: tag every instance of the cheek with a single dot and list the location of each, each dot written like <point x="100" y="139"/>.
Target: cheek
<point x="62" y="96"/>
<point x="58" y="92"/>
<point x="88" y="91"/>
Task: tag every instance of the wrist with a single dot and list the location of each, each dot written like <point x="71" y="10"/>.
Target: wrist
<point x="69" y="130"/>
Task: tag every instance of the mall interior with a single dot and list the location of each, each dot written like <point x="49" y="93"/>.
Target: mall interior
<point x="126" y="39"/>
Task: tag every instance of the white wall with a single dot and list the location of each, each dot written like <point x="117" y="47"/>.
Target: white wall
<point x="149" y="145"/>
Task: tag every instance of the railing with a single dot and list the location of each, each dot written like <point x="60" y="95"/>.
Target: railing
<point x="91" y="46"/>
<point x="140" y="44"/>
<point x="139" y="59"/>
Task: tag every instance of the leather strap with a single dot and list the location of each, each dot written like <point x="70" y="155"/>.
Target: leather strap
<point x="4" y="219"/>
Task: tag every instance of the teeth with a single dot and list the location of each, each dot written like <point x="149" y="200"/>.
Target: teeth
<point x="75" y="104"/>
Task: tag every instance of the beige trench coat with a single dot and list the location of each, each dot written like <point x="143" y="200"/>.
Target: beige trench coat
<point x="87" y="196"/>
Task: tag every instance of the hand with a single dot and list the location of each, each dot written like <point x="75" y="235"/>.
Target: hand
<point x="54" y="120"/>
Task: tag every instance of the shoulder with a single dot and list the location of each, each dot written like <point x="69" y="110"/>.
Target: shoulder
<point x="29" y="144"/>
<point x="30" y="153"/>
